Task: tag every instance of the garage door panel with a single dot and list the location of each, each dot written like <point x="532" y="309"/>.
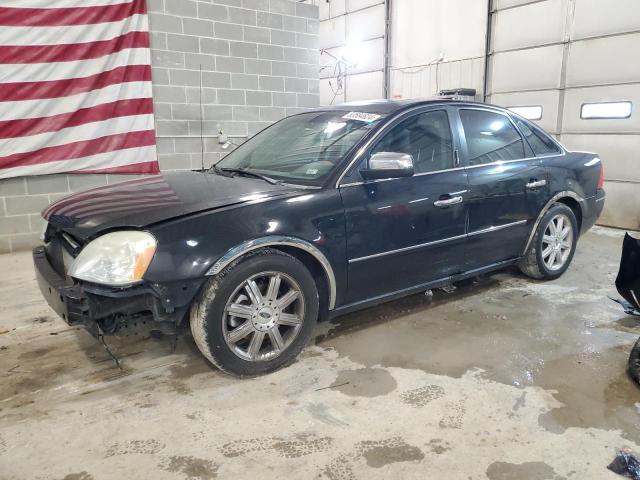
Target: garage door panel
<point x="358" y="4"/>
<point x="575" y="97"/>
<point x="332" y="32"/>
<point x="365" y="24"/>
<point x="598" y="61"/>
<point x="331" y="9"/>
<point x="621" y="16"/>
<point x="548" y="17"/>
<point x="619" y="153"/>
<point x="621" y="206"/>
<point x="530" y="69"/>
<point x="500" y="4"/>
<point x="547" y="99"/>
<point x="366" y="86"/>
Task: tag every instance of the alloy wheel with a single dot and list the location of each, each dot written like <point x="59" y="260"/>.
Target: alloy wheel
<point x="557" y="242"/>
<point x="263" y="316"/>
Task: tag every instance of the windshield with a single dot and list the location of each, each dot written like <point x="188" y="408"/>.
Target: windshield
<point x="302" y="149"/>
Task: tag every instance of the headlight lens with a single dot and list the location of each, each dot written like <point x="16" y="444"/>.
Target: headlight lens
<point x="116" y="259"/>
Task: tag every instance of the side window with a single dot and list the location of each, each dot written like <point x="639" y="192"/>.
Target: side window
<point x="540" y="143"/>
<point x="490" y="137"/>
<point x="426" y="137"/>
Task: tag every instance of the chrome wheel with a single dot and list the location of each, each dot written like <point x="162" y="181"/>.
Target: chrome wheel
<point x="263" y="316"/>
<point x="557" y="242"/>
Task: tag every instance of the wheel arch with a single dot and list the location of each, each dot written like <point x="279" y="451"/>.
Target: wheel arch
<point x="568" y="198"/>
<point x="304" y="251"/>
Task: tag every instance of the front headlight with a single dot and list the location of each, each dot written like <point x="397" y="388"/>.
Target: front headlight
<point x="116" y="259"/>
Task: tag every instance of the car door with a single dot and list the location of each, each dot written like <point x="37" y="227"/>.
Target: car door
<point x="403" y="232"/>
<point x="507" y="186"/>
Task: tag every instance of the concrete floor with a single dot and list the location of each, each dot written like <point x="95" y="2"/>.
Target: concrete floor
<point x="505" y="378"/>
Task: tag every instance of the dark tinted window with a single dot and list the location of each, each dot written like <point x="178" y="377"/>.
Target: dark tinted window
<point x="426" y="136"/>
<point x="490" y="137"/>
<point x="540" y="143"/>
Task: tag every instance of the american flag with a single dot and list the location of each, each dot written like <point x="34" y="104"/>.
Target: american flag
<point x="75" y="87"/>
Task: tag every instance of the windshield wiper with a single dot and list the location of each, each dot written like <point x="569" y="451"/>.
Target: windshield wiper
<point x="250" y="174"/>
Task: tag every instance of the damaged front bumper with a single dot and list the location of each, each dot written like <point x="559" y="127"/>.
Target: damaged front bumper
<point x="107" y="310"/>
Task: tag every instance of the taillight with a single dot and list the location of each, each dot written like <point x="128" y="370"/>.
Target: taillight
<point x="601" y="177"/>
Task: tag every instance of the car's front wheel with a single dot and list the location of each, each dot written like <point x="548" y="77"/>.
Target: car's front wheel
<point x="257" y="314"/>
<point x="553" y="245"/>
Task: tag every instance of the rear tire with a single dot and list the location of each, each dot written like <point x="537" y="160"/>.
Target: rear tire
<point x="256" y="315"/>
<point x="553" y="245"/>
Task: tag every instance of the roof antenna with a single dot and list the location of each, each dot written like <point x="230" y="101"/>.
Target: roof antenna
<point x="201" y="124"/>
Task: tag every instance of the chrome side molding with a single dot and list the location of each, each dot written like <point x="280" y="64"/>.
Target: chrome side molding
<point x="275" y="240"/>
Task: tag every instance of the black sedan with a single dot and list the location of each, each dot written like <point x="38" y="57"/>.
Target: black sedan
<point x="322" y="213"/>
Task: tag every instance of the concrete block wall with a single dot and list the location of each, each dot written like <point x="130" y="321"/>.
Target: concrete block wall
<point x="259" y="63"/>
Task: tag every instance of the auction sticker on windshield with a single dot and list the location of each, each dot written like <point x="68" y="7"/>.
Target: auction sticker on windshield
<point x="361" y="116"/>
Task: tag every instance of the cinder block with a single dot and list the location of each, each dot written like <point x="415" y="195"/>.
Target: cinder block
<point x="164" y="146"/>
<point x="255" y="127"/>
<point x="306" y="10"/>
<point x="208" y="95"/>
<point x="208" y="11"/>
<point x="175" y="161"/>
<point x="285" y="99"/>
<point x="234" y="3"/>
<point x="308" y="100"/>
<point x="294" y="24"/>
<point x="24" y="241"/>
<point x="270" y="52"/>
<point x="306" y="70"/>
<point x="258" y="98"/>
<point x="215" y="46"/>
<point x="185" y="111"/>
<point x="13" y="186"/>
<point x="155" y="5"/>
<point x="83" y="182"/>
<point x="271" y="114"/>
<point x="271" y="20"/>
<point x="15" y="224"/>
<point x="216" y="79"/>
<point x="256" y="34"/>
<point x="47" y="184"/>
<point x="256" y="4"/>
<point x="282" y="6"/>
<point x="314" y="86"/>
<point x="280" y="37"/>
<point x="313" y="26"/>
<point x="165" y="23"/>
<point x="189" y="78"/>
<point x="305" y="40"/>
<point x="162" y="58"/>
<point x="292" y="54"/>
<point x="296" y="85"/>
<point x="157" y="40"/>
<point x="194" y="61"/>
<point x="187" y="145"/>
<point x="246" y="113"/>
<point x="231" y="97"/>
<point x="182" y="43"/>
<point x="244" y="49"/>
<point x="165" y="94"/>
<point x="26" y="204"/>
<point x="183" y="8"/>
<point x="284" y="69"/>
<point x="218" y="112"/>
<point x="196" y="26"/>
<point x="235" y="129"/>
<point x="260" y="67"/>
<point x="228" y="31"/>
<point x="230" y="64"/>
<point x="242" y="16"/>
<point x="171" y="128"/>
<point x="36" y="223"/>
<point x="5" y="245"/>
<point x="295" y="111"/>
<point x="162" y="111"/>
<point x="160" y="76"/>
<point x="244" y="81"/>
<point x="275" y="84"/>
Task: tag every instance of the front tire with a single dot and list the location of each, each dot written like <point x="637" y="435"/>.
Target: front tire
<point x="553" y="245"/>
<point x="256" y="315"/>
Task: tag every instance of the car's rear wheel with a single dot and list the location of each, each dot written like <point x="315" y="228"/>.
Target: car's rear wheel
<point x="553" y="245"/>
<point x="257" y="314"/>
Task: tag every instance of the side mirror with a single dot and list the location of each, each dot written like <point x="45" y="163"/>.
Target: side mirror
<point x="388" y="165"/>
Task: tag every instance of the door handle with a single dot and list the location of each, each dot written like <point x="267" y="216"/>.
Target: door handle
<point x="536" y="184"/>
<point x="447" y="202"/>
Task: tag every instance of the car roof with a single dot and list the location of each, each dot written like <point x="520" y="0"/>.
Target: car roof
<point x="387" y="107"/>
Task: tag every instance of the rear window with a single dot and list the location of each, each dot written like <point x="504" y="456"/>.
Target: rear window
<point x="540" y="142"/>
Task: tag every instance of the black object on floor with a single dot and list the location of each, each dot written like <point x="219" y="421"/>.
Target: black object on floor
<point x="626" y="464"/>
<point x="628" y="280"/>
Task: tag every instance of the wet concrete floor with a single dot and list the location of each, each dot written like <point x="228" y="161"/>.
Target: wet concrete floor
<point x="504" y="378"/>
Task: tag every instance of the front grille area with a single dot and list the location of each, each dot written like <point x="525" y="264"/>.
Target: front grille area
<point x="58" y="244"/>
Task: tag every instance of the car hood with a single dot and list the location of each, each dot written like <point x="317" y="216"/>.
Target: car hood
<point x="145" y="201"/>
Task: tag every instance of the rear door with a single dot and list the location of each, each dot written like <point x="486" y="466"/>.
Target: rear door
<point x="403" y="232"/>
<point x="507" y="186"/>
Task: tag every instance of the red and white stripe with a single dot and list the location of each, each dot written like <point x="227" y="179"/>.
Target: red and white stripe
<point x="75" y="87"/>
<point x="124" y="197"/>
